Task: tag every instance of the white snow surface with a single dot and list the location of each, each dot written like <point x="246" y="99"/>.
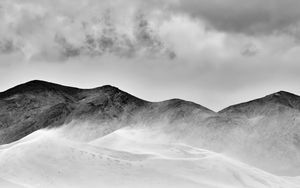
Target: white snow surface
<point x="126" y="158"/>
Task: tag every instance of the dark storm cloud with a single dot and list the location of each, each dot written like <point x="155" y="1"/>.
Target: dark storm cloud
<point x="244" y="16"/>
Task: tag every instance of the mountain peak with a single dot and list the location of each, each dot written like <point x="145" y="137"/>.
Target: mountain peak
<point x="37" y="86"/>
<point x="281" y="98"/>
<point x="107" y="88"/>
<point x="282" y="94"/>
<point x="183" y="103"/>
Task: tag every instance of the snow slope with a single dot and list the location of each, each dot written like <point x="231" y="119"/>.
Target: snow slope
<point x="125" y="158"/>
<point x="7" y="184"/>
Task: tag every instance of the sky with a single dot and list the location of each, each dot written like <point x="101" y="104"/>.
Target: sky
<point x="215" y="53"/>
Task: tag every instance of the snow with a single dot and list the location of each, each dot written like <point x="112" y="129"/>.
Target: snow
<point x="7" y="184"/>
<point x="127" y="158"/>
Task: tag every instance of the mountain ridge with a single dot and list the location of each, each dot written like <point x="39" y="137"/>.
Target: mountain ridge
<point x="261" y="132"/>
<point x="282" y="98"/>
<point x="36" y="85"/>
<point x="39" y="104"/>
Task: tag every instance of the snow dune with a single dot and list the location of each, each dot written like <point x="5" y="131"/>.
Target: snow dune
<point x="7" y="184"/>
<point x="126" y="158"/>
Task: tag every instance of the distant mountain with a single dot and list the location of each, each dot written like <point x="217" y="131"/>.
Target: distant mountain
<point x="38" y="104"/>
<point x="271" y="127"/>
<point x="264" y="132"/>
<point x="276" y="101"/>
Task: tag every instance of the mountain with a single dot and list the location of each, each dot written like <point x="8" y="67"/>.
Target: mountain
<point x="38" y="104"/>
<point x="264" y="133"/>
<point x="279" y="101"/>
<point x="270" y="123"/>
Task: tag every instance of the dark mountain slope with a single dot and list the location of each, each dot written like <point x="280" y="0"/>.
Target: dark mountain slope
<point x="38" y="86"/>
<point x="38" y="104"/>
<point x="276" y="101"/>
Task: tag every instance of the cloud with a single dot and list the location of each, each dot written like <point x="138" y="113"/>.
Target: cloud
<point x="253" y="17"/>
<point x="7" y="46"/>
<point x="249" y="50"/>
<point x="59" y="30"/>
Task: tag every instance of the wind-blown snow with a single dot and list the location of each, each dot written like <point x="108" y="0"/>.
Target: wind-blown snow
<point x="128" y="157"/>
<point x="7" y="184"/>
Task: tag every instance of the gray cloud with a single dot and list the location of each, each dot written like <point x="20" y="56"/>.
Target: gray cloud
<point x="7" y="46"/>
<point x="244" y="16"/>
<point x="43" y="31"/>
<point x="249" y="50"/>
<point x="59" y="30"/>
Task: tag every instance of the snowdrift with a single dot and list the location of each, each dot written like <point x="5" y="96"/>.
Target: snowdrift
<point x="127" y="158"/>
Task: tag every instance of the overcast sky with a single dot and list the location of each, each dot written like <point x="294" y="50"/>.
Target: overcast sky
<point x="215" y="53"/>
